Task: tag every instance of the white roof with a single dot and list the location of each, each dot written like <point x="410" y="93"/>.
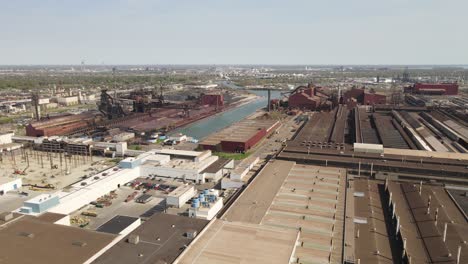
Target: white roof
<point x="178" y="152"/>
<point x="40" y="198"/>
<point x="368" y="146"/>
<point x="181" y="190"/>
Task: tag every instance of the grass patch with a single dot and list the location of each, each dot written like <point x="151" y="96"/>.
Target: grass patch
<point x="5" y="120"/>
<point x="134" y="147"/>
<point x="234" y="156"/>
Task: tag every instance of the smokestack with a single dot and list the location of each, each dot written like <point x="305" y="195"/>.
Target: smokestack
<point x="269" y="100"/>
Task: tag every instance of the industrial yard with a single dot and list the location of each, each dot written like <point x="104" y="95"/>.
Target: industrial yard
<point x="310" y="174"/>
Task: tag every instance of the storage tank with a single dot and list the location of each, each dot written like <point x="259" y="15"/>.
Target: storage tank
<point x="201" y="197"/>
<point x="195" y="203"/>
<point x="206" y="192"/>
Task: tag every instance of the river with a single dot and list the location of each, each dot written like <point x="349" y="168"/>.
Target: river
<point x="205" y="127"/>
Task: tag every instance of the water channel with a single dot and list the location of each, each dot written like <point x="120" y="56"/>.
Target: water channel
<point x="205" y="127"/>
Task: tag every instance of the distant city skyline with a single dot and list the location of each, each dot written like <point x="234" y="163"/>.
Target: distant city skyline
<point x="262" y="32"/>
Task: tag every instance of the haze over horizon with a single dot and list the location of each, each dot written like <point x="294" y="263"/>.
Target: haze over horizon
<point x="296" y="32"/>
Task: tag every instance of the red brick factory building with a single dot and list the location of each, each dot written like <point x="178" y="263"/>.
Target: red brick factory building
<point x="212" y="99"/>
<point x="241" y="136"/>
<point x="360" y="96"/>
<point x="309" y="97"/>
<point x="433" y="88"/>
<point x="59" y="126"/>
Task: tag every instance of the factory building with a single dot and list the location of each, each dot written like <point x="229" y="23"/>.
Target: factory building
<point x="309" y="97"/>
<point x="9" y="184"/>
<point x="212" y="99"/>
<point x="180" y="195"/>
<point x="158" y="240"/>
<point x="68" y="101"/>
<point x="124" y="136"/>
<point x="206" y="205"/>
<point x="240" y="137"/>
<point x="357" y="96"/>
<point x="62" y="125"/>
<point x="29" y="239"/>
<point x="40" y="204"/>
<point x="433" y="88"/>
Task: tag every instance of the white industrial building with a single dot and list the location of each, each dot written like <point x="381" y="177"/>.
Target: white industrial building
<point x="6" y="138"/>
<point x="124" y="136"/>
<point x="180" y="195"/>
<point x="185" y="165"/>
<point x="368" y="148"/>
<point x="90" y="189"/>
<point x="243" y="168"/>
<point x="206" y="205"/>
<point x="171" y="164"/>
<point x="67" y="101"/>
<point x="9" y="184"/>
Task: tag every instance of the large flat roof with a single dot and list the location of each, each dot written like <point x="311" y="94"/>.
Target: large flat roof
<point x="252" y="205"/>
<point x="423" y="234"/>
<point x="117" y="224"/>
<point x="286" y="195"/>
<point x="226" y="242"/>
<point x="240" y="132"/>
<point x="373" y="236"/>
<point x="162" y="239"/>
<point x="30" y="240"/>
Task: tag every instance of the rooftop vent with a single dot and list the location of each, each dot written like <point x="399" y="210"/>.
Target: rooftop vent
<point x="133" y="239"/>
<point x="26" y="234"/>
<point x="79" y="243"/>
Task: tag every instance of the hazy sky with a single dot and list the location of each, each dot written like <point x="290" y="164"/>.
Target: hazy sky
<point x="234" y="31"/>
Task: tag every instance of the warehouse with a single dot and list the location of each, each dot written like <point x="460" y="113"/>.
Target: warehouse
<point x="357" y="96"/>
<point x="180" y="195"/>
<point x="29" y="239"/>
<point x="60" y="125"/>
<point x="310" y="97"/>
<point x="218" y="169"/>
<point x="241" y="242"/>
<point x="240" y="137"/>
<point x="289" y="213"/>
<point x="158" y="240"/>
<point x="40" y="204"/>
<point x="120" y="225"/>
<point x="9" y="184"/>
<point x="433" y="88"/>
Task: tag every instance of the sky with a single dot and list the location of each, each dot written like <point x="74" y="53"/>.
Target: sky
<point x="306" y="32"/>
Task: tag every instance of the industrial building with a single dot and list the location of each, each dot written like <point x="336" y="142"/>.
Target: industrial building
<point x="29" y="239"/>
<point x="9" y="184"/>
<point x="174" y="164"/>
<point x="62" y="125"/>
<point x="76" y="146"/>
<point x="357" y="96"/>
<point x="240" y="137"/>
<point x="160" y="239"/>
<point x="212" y="100"/>
<point x="310" y="98"/>
<point x="120" y="225"/>
<point x="433" y="88"/>
<point x="278" y="219"/>
<point x="206" y="205"/>
<point x="180" y="195"/>
<point x="40" y="204"/>
<point x="68" y="101"/>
